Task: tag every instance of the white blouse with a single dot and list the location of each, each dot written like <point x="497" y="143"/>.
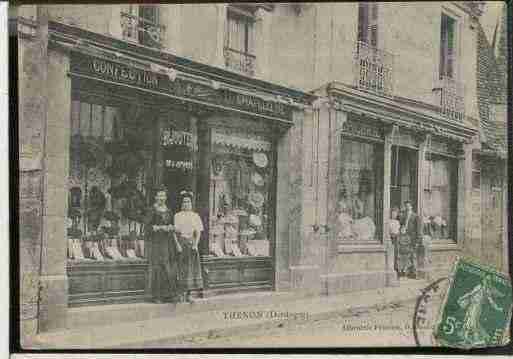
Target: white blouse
<point x="395" y="226"/>
<point x="186" y="222"/>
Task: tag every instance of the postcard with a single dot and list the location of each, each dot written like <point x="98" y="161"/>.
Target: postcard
<point x="262" y="175"/>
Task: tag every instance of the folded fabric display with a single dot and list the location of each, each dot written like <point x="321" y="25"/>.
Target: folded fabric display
<point x="216" y="250"/>
<point x="130" y="253"/>
<point x="252" y="250"/>
<point x="95" y="252"/>
<point x="236" y="250"/>
<point x="113" y="253"/>
<point x="258" y="247"/>
<point x="228" y="249"/>
<point x="75" y="249"/>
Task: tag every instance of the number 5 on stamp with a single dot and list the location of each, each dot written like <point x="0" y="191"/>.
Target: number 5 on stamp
<point x="477" y="308"/>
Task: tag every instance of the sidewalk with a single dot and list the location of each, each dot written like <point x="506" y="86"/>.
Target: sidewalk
<point x="224" y="319"/>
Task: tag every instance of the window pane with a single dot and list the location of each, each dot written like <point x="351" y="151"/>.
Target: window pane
<point x="110" y="114"/>
<point x="363" y="22"/>
<point x="85" y="119"/>
<point x="240" y="196"/>
<point x="97" y="130"/>
<point x="75" y="118"/>
<point x="251" y="40"/>
<point x="439" y="208"/>
<point x="357" y="192"/>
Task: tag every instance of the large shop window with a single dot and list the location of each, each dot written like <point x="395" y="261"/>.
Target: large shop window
<point x="240" y="202"/>
<point x="110" y="162"/>
<point x="359" y="191"/>
<point x="440" y="197"/>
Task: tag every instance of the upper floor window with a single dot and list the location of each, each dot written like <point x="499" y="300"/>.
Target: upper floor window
<point x="447" y="47"/>
<point x="450" y="90"/>
<point x="239" y="49"/>
<point x="368" y="23"/>
<point x="141" y="24"/>
<point x="373" y="67"/>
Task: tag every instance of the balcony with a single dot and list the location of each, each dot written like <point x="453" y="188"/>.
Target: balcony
<point x="239" y="61"/>
<point x="141" y="30"/>
<point x="449" y="93"/>
<point x="373" y="69"/>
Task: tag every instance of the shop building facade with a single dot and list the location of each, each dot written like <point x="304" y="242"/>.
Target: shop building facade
<point x="276" y="120"/>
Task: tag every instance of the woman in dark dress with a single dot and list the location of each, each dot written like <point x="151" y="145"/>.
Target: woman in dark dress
<point x="188" y="227"/>
<point x="164" y="251"/>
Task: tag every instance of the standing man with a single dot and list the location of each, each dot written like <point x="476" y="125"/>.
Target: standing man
<point x="408" y="241"/>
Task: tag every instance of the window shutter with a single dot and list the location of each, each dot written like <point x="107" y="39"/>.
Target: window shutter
<point x="363" y="22"/>
<point x="443" y="46"/>
<point x="373" y="25"/>
<point x="450" y="47"/>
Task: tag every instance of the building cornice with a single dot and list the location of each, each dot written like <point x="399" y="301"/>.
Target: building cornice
<point x="66" y="34"/>
<point x="399" y="112"/>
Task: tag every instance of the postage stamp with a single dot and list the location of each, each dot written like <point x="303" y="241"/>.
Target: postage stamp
<point x="477" y="308"/>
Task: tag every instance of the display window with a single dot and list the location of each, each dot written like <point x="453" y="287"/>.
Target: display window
<point x="109" y="170"/>
<point x="240" y="195"/>
<point x="440" y="197"/>
<point x="359" y="191"/>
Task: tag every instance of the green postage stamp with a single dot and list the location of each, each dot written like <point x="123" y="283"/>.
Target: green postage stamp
<point x="477" y="308"/>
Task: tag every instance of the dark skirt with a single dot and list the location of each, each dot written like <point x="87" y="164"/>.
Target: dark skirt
<point x="163" y="268"/>
<point x="406" y="254"/>
<point x="190" y="267"/>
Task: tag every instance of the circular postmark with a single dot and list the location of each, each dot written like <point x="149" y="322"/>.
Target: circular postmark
<point x="426" y="311"/>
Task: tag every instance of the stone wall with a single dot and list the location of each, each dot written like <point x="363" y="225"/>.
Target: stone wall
<point x="32" y="113"/>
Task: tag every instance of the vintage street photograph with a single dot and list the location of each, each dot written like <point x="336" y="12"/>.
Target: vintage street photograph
<point x="262" y="175"/>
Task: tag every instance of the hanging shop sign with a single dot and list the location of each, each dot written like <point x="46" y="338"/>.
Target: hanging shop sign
<point x="181" y="165"/>
<point x="171" y="137"/>
<point x="122" y="73"/>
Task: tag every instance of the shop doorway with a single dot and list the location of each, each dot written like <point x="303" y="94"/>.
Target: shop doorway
<point x="178" y="150"/>
<point x="403" y="179"/>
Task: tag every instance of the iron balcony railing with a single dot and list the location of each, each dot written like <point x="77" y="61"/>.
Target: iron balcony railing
<point x="373" y="69"/>
<point x="139" y="29"/>
<point x="242" y="62"/>
<point x="450" y="92"/>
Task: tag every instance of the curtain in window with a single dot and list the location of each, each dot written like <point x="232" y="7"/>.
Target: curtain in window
<point x="439" y="197"/>
<point x="357" y="191"/>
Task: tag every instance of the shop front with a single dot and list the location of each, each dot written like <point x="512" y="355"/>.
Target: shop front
<point x="389" y="155"/>
<point x="137" y="125"/>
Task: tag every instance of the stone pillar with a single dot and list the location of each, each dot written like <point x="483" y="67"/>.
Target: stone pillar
<point x="54" y="283"/>
<point x="337" y="119"/>
<point x="464" y="216"/>
<point x="424" y="248"/>
<point x="391" y="275"/>
<point x="304" y="241"/>
<point x="32" y="107"/>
